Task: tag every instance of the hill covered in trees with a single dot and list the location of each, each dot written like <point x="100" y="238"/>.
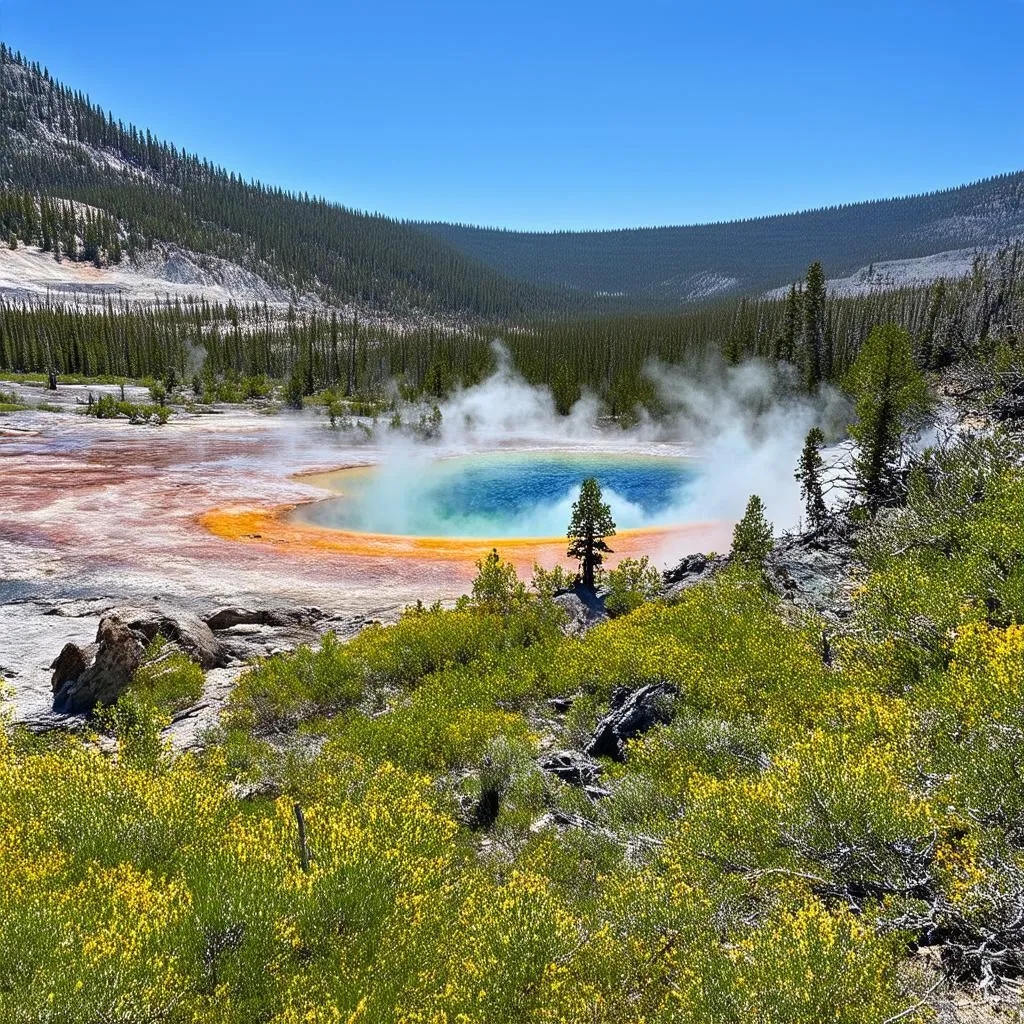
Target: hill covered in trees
<point x="56" y="145"/>
<point x="103" y="191"/>
<point x="670" y="265"/>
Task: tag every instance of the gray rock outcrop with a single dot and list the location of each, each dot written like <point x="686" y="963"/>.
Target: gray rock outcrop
<point x="583" y="611"/>
<point x="118" y="654"/>
<point x="571" y="766"/>
<point x="184" y="629"/>
<point x="691" y="570"/>
<point x="631" y="714"/>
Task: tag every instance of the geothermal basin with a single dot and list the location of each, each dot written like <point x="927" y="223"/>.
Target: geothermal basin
<point x="498" y="495"/>
<point x="245" y="509"/>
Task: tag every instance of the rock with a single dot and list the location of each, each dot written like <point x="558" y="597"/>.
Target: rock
<point x="69" y="665"/>
<point x="228" y="618"/>
<point x="630" y="715"/>
<point x="119" y="653"/>
<point x="583" y="611"/>
<point x="812" y="570"/>
<point x="185" y="630"/>
<point x="571" y="766"/>
<point x="691" y="570"/>
<point x="560" y="705"/>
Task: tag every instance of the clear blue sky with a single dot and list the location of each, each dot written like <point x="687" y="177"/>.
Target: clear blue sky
<point x="559" y="114"/>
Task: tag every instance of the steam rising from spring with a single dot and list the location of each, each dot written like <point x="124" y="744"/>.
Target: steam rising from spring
<point x="743" y="426"/>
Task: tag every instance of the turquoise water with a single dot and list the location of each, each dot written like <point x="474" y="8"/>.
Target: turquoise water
<point x="502" y="495"/>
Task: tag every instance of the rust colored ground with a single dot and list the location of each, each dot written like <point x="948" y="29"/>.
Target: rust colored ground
<point x="274" y="527"/>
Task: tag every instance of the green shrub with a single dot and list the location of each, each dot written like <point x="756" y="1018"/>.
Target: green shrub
<point x="633" y="582"/>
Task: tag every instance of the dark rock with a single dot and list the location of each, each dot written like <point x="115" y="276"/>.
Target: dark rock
<point x="560" y="705"/>
<point x="72" y="661"/>
<point x="119" y="653"/>
<point x="185" y="630"/>
<point x="571" y="766"/>
<point x="629" y="717"/>
<point x="691" y="570"/>
<point x="228" y="618"/>
<point x="485" y="812"/>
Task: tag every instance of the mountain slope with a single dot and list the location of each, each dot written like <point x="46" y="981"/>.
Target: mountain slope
<point x="54" y="142"/>
<point x="683" y="264"/>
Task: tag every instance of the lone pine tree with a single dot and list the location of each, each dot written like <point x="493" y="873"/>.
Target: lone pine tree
<point x="591" y="523"/>
<point x="814" y="327"/>
<point x="808" y="472"/>
<point x="890" y="397"/>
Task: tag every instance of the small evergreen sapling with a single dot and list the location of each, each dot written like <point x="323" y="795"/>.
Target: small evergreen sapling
<point x="752" y="535"/>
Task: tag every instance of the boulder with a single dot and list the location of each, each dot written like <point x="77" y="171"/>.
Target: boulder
<point x="69" y="665"/>
<point x="691" y="570"/>
<point x="572" y="767"/>
<point x="583" y="611"/>
<point x="630" y="714"/>
<point x="184" y="629"/>
<point x="228" y="618"/>
<point x="118" y="655"/>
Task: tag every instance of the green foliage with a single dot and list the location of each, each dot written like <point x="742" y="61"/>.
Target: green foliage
<point x="136" y="721"/>
<point x="565" y="389"/>
<point x="808" y="474"/>
<point x="752" y="535"/>
<point x="549" y="582"/>
<point x="890" y="397"/>
<point x="283" y="689"/>
<point x="244" y="348"/>
<point x="590" y="524"/>
<point x="106" y="407"/>
<point x="497" y="588"/>
<point x="167" y="678"/>
<point x="762" y="854"/>
<point x="630" y="584"/>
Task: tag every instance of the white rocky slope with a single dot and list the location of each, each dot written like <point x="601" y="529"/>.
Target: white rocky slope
<point x="890" y="274"/>
<point x="161" y="273"/>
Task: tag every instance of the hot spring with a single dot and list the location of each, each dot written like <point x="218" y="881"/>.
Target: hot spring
<point x="499" y="495"/>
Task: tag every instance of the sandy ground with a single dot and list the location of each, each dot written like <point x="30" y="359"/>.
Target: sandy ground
<point x="97" y="512"/>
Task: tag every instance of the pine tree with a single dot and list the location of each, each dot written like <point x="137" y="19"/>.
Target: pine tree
<point x="785" y="349"/>
<point x="591" y="523"/>
<point x="752" y="535"/>
<point x="808" y="473"/>
<point x="890" y="397"/>
<point x="814" y="326"/>
<point x="565" y="388"/>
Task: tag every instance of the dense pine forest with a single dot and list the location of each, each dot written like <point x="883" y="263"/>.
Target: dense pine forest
<point x="56" y="143"/>
<point x="59" y="148"/>
<point x="817" y="334"/>
<point x="672" y="264"/>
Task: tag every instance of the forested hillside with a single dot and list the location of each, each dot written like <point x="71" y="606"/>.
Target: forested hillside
<point x="56" y="145"/>
<point x="54" y="142"/>
<point x="669" y="265"/>
<point x="816" y="334"/>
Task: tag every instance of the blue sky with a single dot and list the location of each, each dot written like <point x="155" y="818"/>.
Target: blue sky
<point x="559" y="115"/>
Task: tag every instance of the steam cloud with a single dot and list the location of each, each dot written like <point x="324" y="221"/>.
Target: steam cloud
<point x="744" y="426"/>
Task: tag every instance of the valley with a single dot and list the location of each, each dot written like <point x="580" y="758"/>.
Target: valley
<point x="405" y="621"/>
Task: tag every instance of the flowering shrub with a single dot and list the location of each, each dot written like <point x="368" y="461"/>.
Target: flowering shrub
<point x="766" y="853"/>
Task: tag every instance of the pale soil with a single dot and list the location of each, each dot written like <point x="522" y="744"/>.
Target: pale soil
<point x="95" y="513"/>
